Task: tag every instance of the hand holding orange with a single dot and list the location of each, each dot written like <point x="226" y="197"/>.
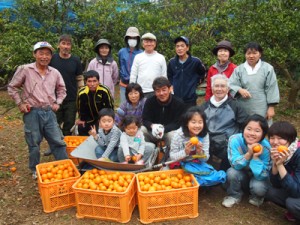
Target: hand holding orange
<point x="194" y="140"/>
<point x="282" y="148"/>
<point x="257" y="148"/>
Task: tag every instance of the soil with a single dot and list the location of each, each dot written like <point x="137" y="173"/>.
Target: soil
<point x="20" y="201"/>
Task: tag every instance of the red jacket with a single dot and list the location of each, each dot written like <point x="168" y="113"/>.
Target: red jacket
<point x="213" y="71"/>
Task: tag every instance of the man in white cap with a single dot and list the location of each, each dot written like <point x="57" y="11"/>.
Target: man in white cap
<point x="42" y="91"/>
<point x="148" y="65"/>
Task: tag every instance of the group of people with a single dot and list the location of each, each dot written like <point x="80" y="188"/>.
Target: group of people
<point x="159" y="103"/>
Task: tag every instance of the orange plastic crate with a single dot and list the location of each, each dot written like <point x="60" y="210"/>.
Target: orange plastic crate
<point x="57" y="195"/>
<point x="103" y="205"/>
<point x="72" y="143"/>
<point x="168" y="204"/>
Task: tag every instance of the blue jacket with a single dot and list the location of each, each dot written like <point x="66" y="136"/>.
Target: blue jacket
<point x="291" y="181"/>
<point x="186" y="77"/>
<point x="125" y="61"/>
<point x="237" y="148"/>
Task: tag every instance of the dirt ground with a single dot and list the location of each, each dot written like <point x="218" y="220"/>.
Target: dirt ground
<point x="20" y="201"/>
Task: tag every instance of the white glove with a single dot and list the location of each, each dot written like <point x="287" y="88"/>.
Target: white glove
<point x="158" y="131"/>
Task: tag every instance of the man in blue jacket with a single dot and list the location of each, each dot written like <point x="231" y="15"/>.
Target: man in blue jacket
<point x="185" y="72"/>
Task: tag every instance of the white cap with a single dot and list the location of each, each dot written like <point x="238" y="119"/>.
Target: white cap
<point x="43" y="44"/>
<point x="149" y="36"/>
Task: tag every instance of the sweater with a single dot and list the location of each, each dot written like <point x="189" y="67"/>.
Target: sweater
<point x="168" y="114"/>
<point x="179" y="141"/>
<point x="109" y="141"/>
<point x="146" y="67"/>
<point x="136" y="143"/>
<point x="126" y="109"/>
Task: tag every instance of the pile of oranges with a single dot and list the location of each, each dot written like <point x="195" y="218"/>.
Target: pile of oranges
<point x="150" y="182"/>
<point x="56" y="172"/>
<point x="104" y="181"/>
<point x="74" y="141"/>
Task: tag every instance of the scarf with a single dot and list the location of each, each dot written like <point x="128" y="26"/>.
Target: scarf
<point x="249" y="69"/>
<point x="221" y="68"/>
<point x="292" y="149"/>
<point x="217" y="104"/>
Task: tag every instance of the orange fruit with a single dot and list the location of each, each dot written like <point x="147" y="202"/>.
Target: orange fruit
<point x="257" y="148"/>
<point x="43" y="171"/>
<point x="194" y="140"/>
<point x="282" y="148"/>
<point x="133" y="158"/>
<point x="163" y="176"/>
<point x="13" y="169"/>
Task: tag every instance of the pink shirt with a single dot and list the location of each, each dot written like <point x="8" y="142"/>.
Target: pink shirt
<point x="36" y="90"/>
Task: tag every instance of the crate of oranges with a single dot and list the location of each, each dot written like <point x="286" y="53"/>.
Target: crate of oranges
<point x="55" y="180"/>
<point x="106" y="195"/>
<point x="72" y="142"/>
<point x="167" y="195"/>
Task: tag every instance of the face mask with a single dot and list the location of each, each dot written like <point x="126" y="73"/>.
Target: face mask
<point x="132" y="43"/>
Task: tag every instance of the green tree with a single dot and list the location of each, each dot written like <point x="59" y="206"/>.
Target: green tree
<point x="272" y="23"/>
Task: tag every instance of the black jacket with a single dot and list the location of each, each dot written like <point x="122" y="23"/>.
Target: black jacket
<point x="186" y="77"/>
<point x="166" y="114"/>
<point x="90" y="103"/>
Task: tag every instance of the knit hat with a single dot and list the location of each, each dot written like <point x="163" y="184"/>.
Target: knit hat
<point x="43" y="44"/>
<point x="132" y="32"/>
<point x="101" y="42"/>
<point x="149" y="36"/>
<point x="224" y="44"/>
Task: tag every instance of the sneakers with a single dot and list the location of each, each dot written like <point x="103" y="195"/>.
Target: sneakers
<point x="47" y="152"/>
<point x="289" y="216"/>
<point x="256" y="201"/>
<point x="229" y="201"/>
<point x="34" y="176"/>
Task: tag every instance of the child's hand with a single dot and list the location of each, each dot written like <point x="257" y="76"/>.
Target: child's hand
<point x="93" y="131"/>
<point x="138" y="157"/>
<point x="127" y="158"/>
<point x="189" y="147"/>
<point x="199" y="148"/>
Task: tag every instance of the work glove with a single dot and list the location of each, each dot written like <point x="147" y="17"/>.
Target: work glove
<point x="158" y="131"/>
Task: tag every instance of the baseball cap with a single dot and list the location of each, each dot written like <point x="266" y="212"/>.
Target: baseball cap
<point x="43" y="44"/>
<point x="149" y="36"/>
<point x="182" y="38"/>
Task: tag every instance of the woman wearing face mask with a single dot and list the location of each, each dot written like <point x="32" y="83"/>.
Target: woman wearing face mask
<point x="126" y="56"/>
<point x="105" y="65"/>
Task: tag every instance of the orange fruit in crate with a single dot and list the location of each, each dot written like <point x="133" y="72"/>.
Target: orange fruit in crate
<point x="163" y="176"/>
<point x="257" y="148"/>
<point x="194" y="140"/>
<point x="282" y="148"/>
